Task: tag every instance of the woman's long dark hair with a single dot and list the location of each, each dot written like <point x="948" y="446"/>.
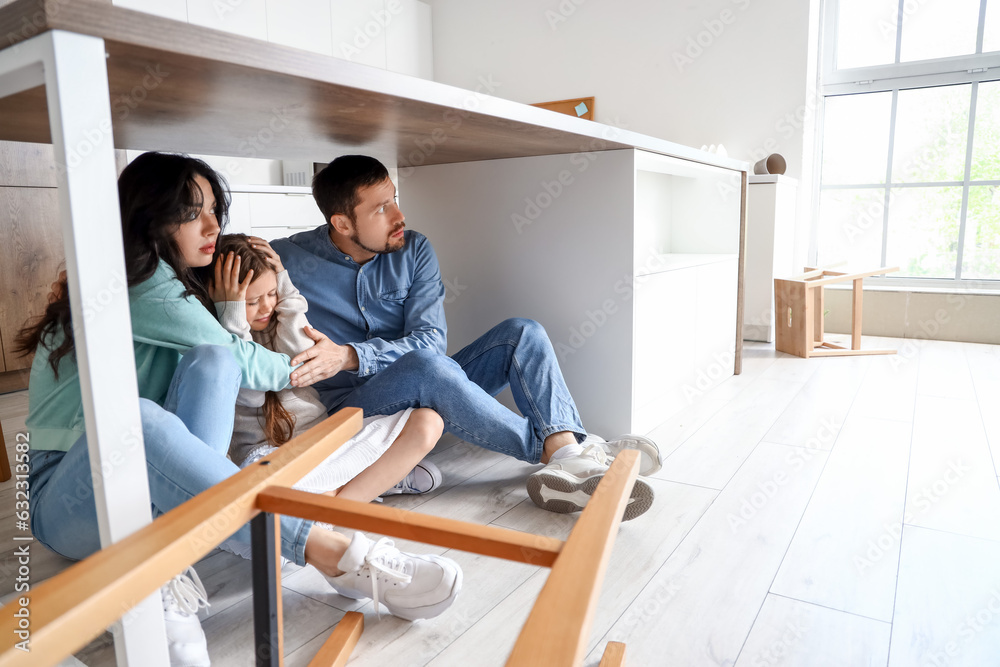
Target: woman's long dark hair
<point x="157" y="192"/>
<point x="278" y="423"/>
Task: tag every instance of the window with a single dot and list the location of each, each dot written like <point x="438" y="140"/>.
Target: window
<point x="909" y="171"/>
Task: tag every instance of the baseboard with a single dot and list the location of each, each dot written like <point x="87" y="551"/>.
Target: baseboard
<point x="759" y="332"/>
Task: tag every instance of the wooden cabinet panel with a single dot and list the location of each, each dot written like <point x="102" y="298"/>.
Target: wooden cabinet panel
<point x="31" y="256"/>
<point x="27" y="164"/>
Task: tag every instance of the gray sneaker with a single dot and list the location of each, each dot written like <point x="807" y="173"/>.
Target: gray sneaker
<point x="424" y="478"/>
<point x="650" y="460"/>
<point x="565" y="485"/>
<point x="411" y="586"/>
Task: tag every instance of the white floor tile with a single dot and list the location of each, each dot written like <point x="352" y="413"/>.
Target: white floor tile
<point x="951" y="479"/>
<point x="948" y="601"/>
<point x="846" y="547"/>
<point x="701" y="604"/>
<point x="790" y="633"/>
<point x="712" y="455"/>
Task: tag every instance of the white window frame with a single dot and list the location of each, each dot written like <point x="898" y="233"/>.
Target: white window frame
<point x="968" y="69"/>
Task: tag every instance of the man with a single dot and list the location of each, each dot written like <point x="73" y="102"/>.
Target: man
<point x="375" y="288"/>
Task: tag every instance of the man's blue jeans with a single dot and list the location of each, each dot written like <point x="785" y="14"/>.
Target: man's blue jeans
<point x="461" y="389"/>
<point x="186" y="442"/>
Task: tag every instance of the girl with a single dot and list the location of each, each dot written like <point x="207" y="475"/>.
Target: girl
<point x="256" y="301"/>
<point x="189" y="371"/>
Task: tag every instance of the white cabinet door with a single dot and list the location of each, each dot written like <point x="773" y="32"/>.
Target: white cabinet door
<point x="242" y="17"/>
<point x="301" y="24"/>
<point x="275" y="215"/>
<point x="665" y="341"/>
<point x="239" y="214"/>
<point x="715" y="323"/>
<point x="359" y="30"/>
<point x="408" y="48"/>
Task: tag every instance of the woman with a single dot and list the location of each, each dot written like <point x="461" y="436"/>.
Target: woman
<point x="189" y="371"/>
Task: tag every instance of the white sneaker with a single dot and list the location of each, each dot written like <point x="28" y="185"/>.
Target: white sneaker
<point x="182" y="597"/>
<point x="411" y="586"/>
<point x="424" y="478"/>
<point x="650" y="460"/>
<point x="565" y="485"/>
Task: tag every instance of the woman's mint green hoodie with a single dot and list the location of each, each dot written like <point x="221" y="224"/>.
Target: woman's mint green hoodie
<point x="165" y="324"/>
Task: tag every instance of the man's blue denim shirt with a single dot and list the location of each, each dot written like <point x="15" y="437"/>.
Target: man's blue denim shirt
<point x="383" y="309"/>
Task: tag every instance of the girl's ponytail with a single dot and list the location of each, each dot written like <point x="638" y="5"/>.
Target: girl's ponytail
<point x="278" y="422"/>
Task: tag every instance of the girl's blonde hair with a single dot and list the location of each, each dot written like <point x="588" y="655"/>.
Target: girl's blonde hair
<point x="278" y="423"/>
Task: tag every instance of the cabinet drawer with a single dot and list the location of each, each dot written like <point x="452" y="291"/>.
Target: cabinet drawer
<point x="283" y="210"/>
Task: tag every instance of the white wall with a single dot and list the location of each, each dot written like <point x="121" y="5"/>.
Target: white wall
<point x="745" y="85"/>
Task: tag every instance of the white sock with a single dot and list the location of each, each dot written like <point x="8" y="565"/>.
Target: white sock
<point x="566" y="452"/>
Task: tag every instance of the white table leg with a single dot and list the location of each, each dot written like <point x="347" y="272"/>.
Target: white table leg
<point x="74" y="72"/>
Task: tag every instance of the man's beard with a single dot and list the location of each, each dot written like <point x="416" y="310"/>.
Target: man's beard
<point x="387" y="249"/>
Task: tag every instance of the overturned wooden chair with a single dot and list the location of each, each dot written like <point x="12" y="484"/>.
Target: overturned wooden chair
<point x="799" y="318"/>
<point x="70" y="609"/>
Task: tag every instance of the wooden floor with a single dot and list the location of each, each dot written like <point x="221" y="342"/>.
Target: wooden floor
<point x="824" y="512"/>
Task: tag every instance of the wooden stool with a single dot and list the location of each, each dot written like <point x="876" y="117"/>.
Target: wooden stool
<point x="798" y="313"/>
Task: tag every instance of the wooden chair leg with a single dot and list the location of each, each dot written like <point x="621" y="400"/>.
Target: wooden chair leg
<point x="265" y="536"/>
<point x="614" y="655"/>
<point x="818" y="319"/>
<point x="857" y="293"/>
<point x="336" y="650"/>
<point x="557" y="629"/>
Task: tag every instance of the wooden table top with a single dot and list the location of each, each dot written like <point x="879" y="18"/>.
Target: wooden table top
<point x="181" y="87"/>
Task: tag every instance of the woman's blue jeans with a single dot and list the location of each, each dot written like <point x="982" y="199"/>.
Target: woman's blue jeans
<point x="186" y="442"/>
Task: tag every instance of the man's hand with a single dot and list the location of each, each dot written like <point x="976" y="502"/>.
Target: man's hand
<point x="323" y="360"/>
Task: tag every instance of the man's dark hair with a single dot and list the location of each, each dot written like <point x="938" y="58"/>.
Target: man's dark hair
<point x="336" y="187"/>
